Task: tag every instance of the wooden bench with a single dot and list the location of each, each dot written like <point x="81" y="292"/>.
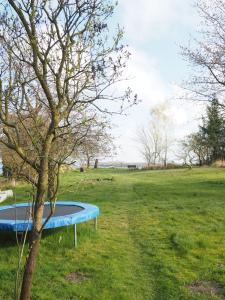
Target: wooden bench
<point x="132" y="167"/>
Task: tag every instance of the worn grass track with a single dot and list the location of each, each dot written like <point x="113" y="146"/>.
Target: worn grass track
<point x="159" y="231"/>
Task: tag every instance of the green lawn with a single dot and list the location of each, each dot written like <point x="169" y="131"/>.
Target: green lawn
<point x="159" y="231"/>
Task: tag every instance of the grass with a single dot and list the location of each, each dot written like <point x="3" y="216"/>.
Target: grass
<point x="159" y="231"/>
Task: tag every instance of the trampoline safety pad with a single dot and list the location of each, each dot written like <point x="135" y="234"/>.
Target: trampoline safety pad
<point x="18" y="217"/>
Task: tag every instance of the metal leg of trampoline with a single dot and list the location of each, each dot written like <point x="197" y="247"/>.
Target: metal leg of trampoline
<point x="96" y="223"/>
<point x="75" y="235"/>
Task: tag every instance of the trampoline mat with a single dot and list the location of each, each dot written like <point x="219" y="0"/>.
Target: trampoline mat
<point x="23" y="212"/>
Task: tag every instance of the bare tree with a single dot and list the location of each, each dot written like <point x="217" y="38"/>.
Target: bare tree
<point x="98" y="143"/>
<point x="150" y="144"/>
<point x="163" y="121"/>
<point x="206" y="54"/>
<point x="185" y="154"/>
<point x="145" y="145"/>
<point x="61" y="150"/>
<point x="57" y="60"/>
<point x="193" y="150"/>
<point x="155" y="140"/>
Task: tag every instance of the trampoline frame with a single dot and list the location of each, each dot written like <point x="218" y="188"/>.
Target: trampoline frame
<point x="88" y="212"/>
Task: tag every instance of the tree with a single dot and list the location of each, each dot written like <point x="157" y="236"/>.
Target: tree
<point x="154" y="141"/>
<point x="213" y="131"/>
<point x="194" y="149"/>
<point x="163" y="122"/>
<point x="199" y="147"/>
<point x="206" y="54"/>
<point x="144" y="140"/>
<point x="208" y="144"/>
<point x="97" y="143"/>
<point x="15" y="166"/>
<point x="208" y="80"/>
<point x="57" y="60"/>
<point x="185" y="153"/>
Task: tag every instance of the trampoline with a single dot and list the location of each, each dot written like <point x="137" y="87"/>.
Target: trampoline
<point x="17" y="217"/>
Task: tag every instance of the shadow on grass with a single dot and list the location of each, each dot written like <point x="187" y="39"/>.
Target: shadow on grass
<point x="61" y="235"/>
<point x="9" y="239"/>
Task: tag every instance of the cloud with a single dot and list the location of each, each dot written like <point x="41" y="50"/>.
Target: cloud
<point x="145" y="78"/>
<point x="150" y="18"/>
<point x="153" y="90"/>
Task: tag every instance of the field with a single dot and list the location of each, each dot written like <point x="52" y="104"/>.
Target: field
<point x="161" y="236"/>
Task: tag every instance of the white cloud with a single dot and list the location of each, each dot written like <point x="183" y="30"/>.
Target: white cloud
<point x="145" y="78"/>
<point x="150" y="18"/>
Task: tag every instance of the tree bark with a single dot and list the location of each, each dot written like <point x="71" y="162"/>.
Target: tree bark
<point x="30" y="266"/>
<point x="96" y="164"/>
<point x="165" y="159"/>
<point x="88" y="162"/>
<point x="42" y="189"/>
<point x="33" y="247"/>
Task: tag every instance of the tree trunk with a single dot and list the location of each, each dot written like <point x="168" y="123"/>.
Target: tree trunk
<point x="33" y="247"/>
<point x="42" y="189"/>
<point x="30" y="266"/>
<point x="51" y="181"/>
<point x="96" y="164"/>
<point x="88" y="162"/>
<point x="165" y="159"/>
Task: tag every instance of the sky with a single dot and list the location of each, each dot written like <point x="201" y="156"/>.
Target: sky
<point x="154" y="31"/>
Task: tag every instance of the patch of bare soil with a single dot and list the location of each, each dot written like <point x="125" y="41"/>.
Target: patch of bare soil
<point x="76" y="277"/>
<point x="207" y="288"/>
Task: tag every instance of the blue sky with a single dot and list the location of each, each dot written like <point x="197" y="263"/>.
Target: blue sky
<point x="154" y="30"/>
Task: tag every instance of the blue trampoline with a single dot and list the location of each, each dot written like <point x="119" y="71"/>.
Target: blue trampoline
<point x="17" y="217"/>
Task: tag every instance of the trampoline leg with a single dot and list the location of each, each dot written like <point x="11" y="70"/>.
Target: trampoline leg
<point x="75" y="235"/>
<point x="96" y="223"/>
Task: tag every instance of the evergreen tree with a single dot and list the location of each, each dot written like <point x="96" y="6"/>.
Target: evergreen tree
<point x="213" y="132"/>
